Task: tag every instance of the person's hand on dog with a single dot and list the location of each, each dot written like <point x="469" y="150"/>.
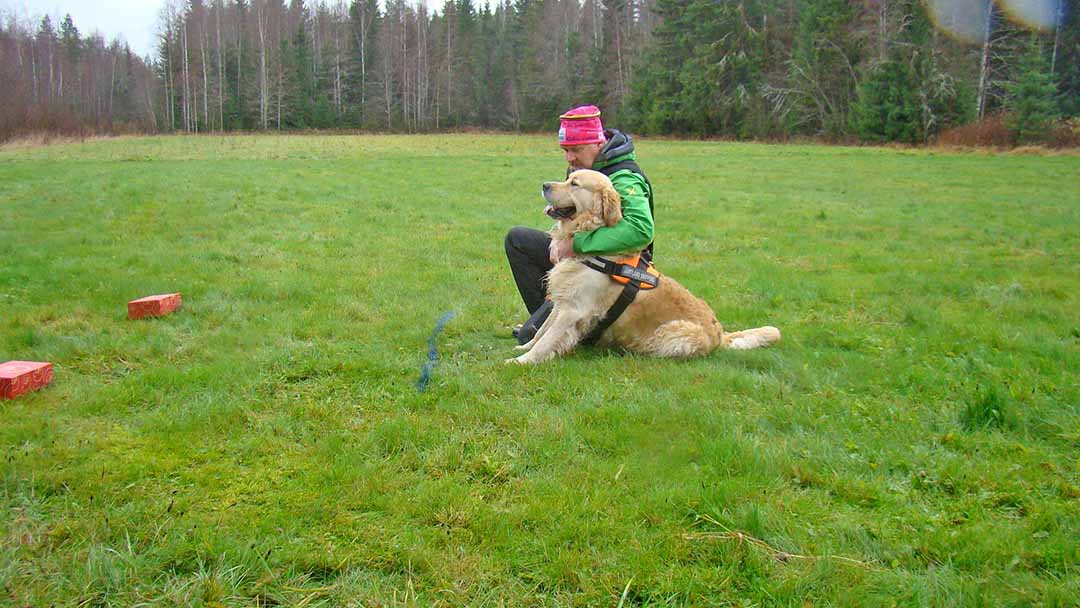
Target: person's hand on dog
<point x="560" y="250"/>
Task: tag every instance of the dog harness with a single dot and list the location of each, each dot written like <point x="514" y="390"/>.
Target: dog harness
<point x="634" y="274"/>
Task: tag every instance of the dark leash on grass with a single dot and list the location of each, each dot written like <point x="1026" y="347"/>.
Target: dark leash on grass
<point x="433" y="354"/>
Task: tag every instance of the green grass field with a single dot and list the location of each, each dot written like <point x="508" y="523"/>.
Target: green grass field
<point x="913" y="441"/>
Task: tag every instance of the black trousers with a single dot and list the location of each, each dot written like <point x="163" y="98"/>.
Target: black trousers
<point x="527" y="252"/>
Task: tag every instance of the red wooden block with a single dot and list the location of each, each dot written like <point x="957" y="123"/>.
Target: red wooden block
<point x="18" y="377"/>
<point x="153" y="306"/>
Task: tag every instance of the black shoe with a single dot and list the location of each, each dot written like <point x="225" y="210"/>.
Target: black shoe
<point x="528" y="330"/>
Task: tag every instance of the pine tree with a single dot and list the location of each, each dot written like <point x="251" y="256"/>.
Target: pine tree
<point x="821" y="69"/>
<point x="72" y="44"/>
<point x="1066" y="57"/>
<point x="47" y="41"/>
<point x="240" y="72"/>
<point x="704" y="72"/>
<point x="464" y="59"/>
<point x="491" y="73"/>
<point x="69" y="37"/>
<point x="296" y="52"/>
<point x="652" y="107"/>
<point x="1030" y="99"/>
<point x="888" y="106"/>
<point x="907" y="97"/>
<point x="531" y="107"/>
<point x="124" y="110"/>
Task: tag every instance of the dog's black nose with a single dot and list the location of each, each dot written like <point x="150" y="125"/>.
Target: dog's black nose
<point x="547" y="186"/>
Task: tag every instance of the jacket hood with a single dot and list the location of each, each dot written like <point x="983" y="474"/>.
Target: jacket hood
<point x="618" y="144"/>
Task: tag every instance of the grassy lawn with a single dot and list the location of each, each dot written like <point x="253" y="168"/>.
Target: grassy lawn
<point x="914" y="440"/>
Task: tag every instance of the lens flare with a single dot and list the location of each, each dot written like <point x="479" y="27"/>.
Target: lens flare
<point x="1035" y="14"/>
<point x="964" y="20"/>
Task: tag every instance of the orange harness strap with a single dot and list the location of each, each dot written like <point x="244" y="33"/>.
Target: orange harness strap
<point x="634" y="263"/>
<point x="626" y="271"/>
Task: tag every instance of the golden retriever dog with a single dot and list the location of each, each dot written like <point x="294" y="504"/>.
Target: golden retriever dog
<point x="667" y="321"/>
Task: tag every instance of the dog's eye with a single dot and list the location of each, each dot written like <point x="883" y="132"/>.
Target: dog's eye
<point x="574" y="183"/>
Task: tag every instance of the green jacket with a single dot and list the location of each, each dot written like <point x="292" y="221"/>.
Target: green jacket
<point x="635" y="231"/>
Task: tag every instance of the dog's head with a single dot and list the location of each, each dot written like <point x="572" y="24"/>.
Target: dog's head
<point x="585" y="201"/>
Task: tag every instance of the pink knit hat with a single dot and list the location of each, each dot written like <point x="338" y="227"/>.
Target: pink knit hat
<point x="581" y="125"/>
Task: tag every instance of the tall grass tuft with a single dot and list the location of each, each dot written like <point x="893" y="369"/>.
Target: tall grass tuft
<point x="988" y="409"/>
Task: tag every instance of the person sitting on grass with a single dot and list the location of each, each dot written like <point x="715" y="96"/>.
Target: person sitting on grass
<point x="532" y="253"/>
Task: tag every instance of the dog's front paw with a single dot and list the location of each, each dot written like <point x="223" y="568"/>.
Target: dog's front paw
<point x="522" y="360"/>
<point x="525" y="346"/>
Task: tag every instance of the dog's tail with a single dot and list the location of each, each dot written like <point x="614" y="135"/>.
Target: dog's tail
<point x="750" y="338"/>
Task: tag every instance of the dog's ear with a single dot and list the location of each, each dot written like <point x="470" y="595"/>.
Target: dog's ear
<point x="610" y="205"/>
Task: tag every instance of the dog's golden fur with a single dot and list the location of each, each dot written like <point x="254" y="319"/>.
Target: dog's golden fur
<point x="667" y="321"/>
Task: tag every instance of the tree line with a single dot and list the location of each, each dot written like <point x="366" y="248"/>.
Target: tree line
<point x="880" y="70"/>
<point x="53" y="79"/>
<point x="268" y="64"/>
